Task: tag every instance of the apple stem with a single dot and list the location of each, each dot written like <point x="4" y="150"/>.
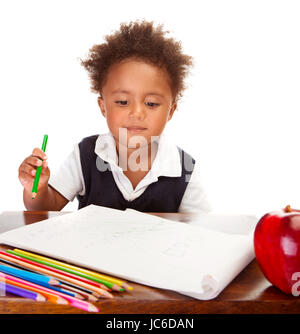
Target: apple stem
<point x="288" y="208"/>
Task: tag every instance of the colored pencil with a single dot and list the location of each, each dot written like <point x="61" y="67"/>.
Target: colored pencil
<point x="66" y="285"/>
<point x="52" y="287"/>
<point x="101" y="292"/>
<point x="32" y="277"/>
<point x="10" y="264"/>
<point x="56" y="271"/>
<point x="52" y="297"/>
<point x="85" y="271"/>
<point x="64" y="268"/>
<point x="63" y="283"/>
<point x="68" y="292"/>
<point x="83" y="305"/>
<point x="45" y="265"/>
<point x="8" y="288"/>
<point x="38" y="170"/>
<point x="49" y="293"/>
<point x="86" y="295"/>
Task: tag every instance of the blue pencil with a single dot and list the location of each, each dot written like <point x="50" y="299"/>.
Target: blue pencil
<point x="28" y="276"/>
<point x="46" y="285"/>
<point x="61" y="281"/>
<point x="11" y="264"/>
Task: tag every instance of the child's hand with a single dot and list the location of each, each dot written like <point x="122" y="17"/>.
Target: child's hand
<point x="28" y="168"/>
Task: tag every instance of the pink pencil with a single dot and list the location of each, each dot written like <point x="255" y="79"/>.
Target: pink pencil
<point x="83" y="305"/>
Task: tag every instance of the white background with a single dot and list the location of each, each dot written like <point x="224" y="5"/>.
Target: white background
<point x="239" y="116"/>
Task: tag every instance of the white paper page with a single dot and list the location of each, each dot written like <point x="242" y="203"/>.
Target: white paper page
<point x="140" y="247"/>
<point x="227" y="223"/>
<point x="220" y="275"/>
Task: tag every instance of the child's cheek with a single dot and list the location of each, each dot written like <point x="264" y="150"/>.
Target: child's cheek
<point x="114" y="119"/>
<point x="158" y="123"/>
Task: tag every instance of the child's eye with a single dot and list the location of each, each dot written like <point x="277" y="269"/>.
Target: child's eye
<point x="122" y="102"/>
<point x="152" y="104"/>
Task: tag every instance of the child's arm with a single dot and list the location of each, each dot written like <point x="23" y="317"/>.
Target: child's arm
<point x="47" y="198"/>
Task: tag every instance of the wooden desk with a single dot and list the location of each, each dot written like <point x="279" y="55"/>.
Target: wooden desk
<point x="250" y="292"/>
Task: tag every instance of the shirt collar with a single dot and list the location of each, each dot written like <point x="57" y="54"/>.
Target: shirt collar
<point x="105" y="148"/>
<point x="166" y="162"/>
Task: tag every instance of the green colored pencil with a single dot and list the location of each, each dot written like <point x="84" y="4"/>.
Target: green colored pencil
<point x="71" y="271"/>
<point x="38" y="170"/>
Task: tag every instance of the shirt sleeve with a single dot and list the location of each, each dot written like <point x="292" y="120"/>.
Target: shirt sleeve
<point x="68" y="178"/>
<point x="195" y="198"/>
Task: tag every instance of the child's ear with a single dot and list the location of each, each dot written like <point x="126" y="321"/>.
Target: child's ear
<point x="101" y="105"/>
<point x="173" y="108"/>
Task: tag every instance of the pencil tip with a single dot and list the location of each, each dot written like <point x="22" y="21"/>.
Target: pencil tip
<point x="53" y="281"/>
<point x="127" y="286"/>
<point x="62" y="301"/>
<point x="40" y="298"/>
<point x="107" y="294"/>
<point x="92" y="298"/>
<point x="95" y="294"/>
<point x="93" y="308"/>
<point x="33" y="195"/>
<point x="77" y="295"/>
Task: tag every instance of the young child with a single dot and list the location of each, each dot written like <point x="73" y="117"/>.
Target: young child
<point x="139" y="75"/>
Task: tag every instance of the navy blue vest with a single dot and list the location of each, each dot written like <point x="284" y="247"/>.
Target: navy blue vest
<point x="164" y="195"/>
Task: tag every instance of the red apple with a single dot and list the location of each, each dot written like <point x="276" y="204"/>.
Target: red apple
<point x="277" y="247"/>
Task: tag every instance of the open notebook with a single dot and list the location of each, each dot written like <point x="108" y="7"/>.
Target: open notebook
<point x="198" y="259"/>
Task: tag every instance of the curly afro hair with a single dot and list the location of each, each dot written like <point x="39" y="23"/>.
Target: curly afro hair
<point x="142" y="41"/>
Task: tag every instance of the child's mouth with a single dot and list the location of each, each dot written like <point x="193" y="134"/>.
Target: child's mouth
<point x="135" y="128"/>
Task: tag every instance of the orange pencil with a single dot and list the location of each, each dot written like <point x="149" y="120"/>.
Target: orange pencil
<point x="20" y="291"/>
<point x="85" y="280"/>
<point x="48" y="293"/>
<point x="99" y="291"/>
<point x="50" y="296"/>
<point x="92" y="296"/>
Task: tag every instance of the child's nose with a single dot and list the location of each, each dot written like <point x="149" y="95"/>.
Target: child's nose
<point x="137" y="110"/>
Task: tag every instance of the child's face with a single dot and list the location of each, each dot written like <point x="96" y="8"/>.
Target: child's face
<point x="136" y="96"/>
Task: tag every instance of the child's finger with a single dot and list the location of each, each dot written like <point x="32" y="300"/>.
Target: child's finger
<point x="34" y="161"/>
<point x="39" y="153"/>
<point x="25" y="178"/>
<point x="28" y="169"/>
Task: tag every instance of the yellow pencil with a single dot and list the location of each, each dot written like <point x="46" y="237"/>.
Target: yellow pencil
<point x="84" y="271"/>
<point x="99" y="291"/>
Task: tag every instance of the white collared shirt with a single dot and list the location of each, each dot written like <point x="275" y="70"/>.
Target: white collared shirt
<point x="68" y="179"/>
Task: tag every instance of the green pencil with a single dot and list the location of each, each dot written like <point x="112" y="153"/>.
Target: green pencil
<point x="38" y="170"/>
<point x="71" y="271"/>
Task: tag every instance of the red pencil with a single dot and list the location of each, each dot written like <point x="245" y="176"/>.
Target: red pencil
<point x="58" y="271"/>
<point x="47" y="271"/>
